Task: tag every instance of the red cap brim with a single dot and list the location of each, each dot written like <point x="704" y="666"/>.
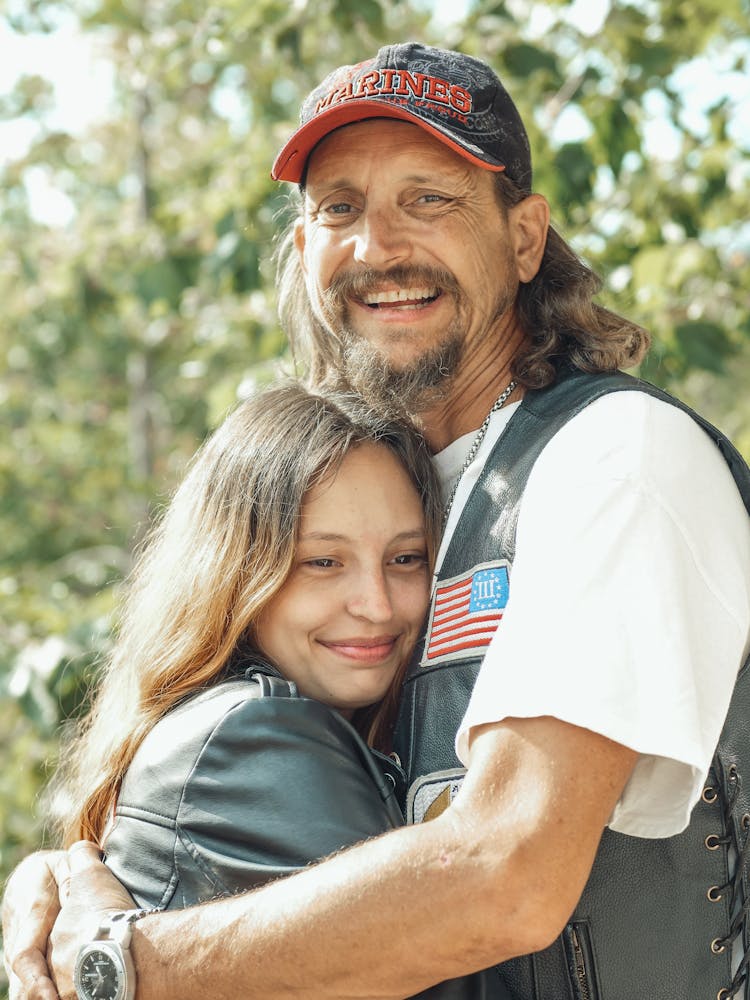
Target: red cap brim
<point x="291" y="162"/>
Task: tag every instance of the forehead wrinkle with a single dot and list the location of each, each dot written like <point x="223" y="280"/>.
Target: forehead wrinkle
<point x="341" y="144"/>
<point x="317" y="190"/>
<point x="334" y="185"/>
<point x="445" y="172"/>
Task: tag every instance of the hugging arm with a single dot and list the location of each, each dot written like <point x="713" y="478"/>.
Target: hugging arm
<point x="503" y="867"/>
<point x="30" y="905"/>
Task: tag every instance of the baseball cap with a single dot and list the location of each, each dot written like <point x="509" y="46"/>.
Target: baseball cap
<point x="457" y="99"/>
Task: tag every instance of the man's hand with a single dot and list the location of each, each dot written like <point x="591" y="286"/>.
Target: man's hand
<point x="92" y="893"/>
<point x="30" y="906"/>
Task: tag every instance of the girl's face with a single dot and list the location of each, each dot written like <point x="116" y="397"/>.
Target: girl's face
<point x="350" y="611"/>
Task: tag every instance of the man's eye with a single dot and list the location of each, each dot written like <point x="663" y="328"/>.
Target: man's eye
<point x="432" y="199"/>
<point x="338" y="208"/>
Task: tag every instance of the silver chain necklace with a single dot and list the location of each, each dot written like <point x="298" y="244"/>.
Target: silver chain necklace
<point x="498" y="404"/>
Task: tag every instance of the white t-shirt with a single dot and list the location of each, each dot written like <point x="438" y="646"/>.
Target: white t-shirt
<point x="629" y="606"/>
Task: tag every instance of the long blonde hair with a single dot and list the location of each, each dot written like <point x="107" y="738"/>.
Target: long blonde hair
<point x="222" y="550"/>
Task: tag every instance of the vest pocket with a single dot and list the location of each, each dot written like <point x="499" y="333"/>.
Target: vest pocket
<point x="579" y="955"/>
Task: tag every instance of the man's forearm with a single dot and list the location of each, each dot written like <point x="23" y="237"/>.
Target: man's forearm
<point x="496" y="875"/>
<point x="335" y="930"/>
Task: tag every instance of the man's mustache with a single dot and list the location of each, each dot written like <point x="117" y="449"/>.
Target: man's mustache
<point x="359" y="283"/>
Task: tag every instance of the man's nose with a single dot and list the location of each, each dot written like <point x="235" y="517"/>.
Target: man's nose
<point x="371" y="598"/>
<point x="380" y="241"/>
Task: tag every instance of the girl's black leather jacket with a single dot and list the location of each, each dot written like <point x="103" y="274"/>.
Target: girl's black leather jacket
<point x="240" y="784"/>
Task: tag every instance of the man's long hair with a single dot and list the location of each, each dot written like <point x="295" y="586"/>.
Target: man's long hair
<point x="556" y="310"/>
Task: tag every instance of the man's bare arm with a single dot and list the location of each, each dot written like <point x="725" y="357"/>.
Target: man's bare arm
<point x="496" y="875"/>
<point x="30" y="905"/>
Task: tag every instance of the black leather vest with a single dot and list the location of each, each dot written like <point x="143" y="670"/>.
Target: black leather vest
<point x="658" y="918"/>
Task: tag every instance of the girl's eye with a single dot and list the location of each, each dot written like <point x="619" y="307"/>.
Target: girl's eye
<point x="321" y="563"/>
<point x="409" y="559"/>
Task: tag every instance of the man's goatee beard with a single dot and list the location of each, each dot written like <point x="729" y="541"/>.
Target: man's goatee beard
<point x="411" y="388"/>
<point x="365" y="369"/>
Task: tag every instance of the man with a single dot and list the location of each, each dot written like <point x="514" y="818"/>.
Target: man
<point x="589" y="620"/>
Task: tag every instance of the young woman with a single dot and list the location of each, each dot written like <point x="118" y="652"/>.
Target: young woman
<point x="264" y="635"/>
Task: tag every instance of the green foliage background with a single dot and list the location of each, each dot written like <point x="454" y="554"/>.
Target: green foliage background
<point x="126" y="334"/>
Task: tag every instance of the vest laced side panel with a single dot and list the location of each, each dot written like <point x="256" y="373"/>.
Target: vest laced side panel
<point x="728" y="793"/>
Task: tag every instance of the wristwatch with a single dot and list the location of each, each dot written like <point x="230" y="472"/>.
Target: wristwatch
<point x="104" y="967"/>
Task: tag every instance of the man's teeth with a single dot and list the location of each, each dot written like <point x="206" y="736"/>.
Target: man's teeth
<point x="400" y="295"/>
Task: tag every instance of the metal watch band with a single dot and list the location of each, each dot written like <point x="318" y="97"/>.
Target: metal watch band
<point x="119" y="926"/>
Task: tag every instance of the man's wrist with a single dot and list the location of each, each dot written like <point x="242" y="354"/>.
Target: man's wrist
<point x="104" y="968"/>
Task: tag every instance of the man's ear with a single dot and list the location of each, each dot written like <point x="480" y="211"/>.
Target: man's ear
<point x="529" y="222"/>
<point x="299" y="242"/>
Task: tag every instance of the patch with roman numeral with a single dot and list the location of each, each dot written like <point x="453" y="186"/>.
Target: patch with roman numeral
<point x="466" y="611"/>
<point x="432" y="794"/>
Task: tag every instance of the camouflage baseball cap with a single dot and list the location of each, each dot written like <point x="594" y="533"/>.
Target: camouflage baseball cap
<point x="457" y="99"/>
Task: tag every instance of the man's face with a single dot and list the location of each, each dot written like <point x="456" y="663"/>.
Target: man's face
<point x="406" y="253"/>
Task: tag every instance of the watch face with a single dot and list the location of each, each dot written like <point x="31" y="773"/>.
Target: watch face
<point x="99" y="975"/>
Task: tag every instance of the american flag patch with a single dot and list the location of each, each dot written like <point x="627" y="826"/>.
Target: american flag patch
<point x="466" y="611"/>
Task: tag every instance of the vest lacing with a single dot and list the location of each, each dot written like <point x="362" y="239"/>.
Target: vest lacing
<point x="737" y="836"/>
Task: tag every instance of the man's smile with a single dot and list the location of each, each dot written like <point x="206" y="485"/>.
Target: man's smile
<point x="399" y="297"/>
